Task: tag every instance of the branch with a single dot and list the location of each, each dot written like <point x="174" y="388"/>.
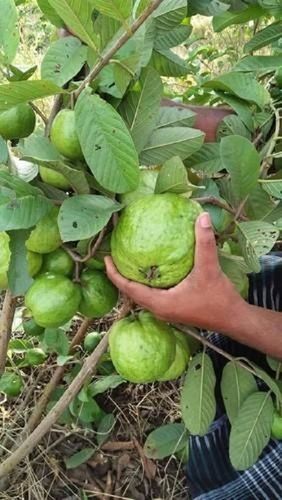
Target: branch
<point x="58" y="101"/>
<point x="7" y="316"/>
<point x="105" y="59"/>
<point x="91" y="249"/>
<point x="38" y="112"/>
<point x="212" y="200"/>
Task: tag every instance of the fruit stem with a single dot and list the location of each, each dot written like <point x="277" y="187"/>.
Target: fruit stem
<point x="6" y="322"/>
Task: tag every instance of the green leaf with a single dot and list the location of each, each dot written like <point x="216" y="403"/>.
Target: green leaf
<point x="87" y="412"/>
<point x="173" y="38"/>
<point x="264" y="37"/>
<point x="259" y="204"/>
<point x="170" y="116"/>
<point x="169" y="14"/>
<point x="57" y="341"/>
<point x="207" y="160"/>
<point x="171" y="141"/>
<point x="4" y="153"/>
<point x="15" y="93"/>
<point x="262" y="64"/>
<point x="251" y="430"/>
<point x="77" y="16"/>
<point x="167" y="63"/>
<point x="257" y="238"/>
<point x="269" y="381"/>
<point x="198" y="404"/>
<point x="9" y="33"/>
<point x="206" y="7"/>
<point x="232" y="125"/>
<point x="76" y="178"/>
<point x="79" y="458"/>
<point x="106" y="144"/>
<point x="226" y="19"/>
<point x="63" y="60"/>
<point x="236" y="270"/>
<point x="83" y="216"/>
<point x="173" y="178"/>
<point x="117" y="9"/>
<point x="124" y="70"/>
<point x="275" y="364"/>
<point x="273" y="6"/>
<point x="50" y="13"/>
<point x="18" y="276"/>
<point x="140" y="109"/>
<point x="16" y="74"/>
<point x="103" y="384"/>
<point x="105" y="428"/>
<point x="236" y="385"/>
<point x="241" y="159"/>
<point x="241" y="107"/>
<point x="165" y="441"/>
<point x="243" y="85"/>
<point x="272" y="187"/>
<point x="39" y="147"/>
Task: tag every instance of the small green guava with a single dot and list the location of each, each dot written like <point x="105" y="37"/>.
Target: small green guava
<point x="5" y="255"/>
<point x="53" y="178"/>
<point x="91" y="341"/>
<point x="45" y="237"/>
<point x="154" y="240"/>
<point x="34" y="262"/>
<point x="142" y="348"/>
<point x="58" y="262"/>
<point x="181" y="360"/>
<point x="11" y="384"/>
<point x="276" y="429"/>
<point x="147" y="184"/>
<point x="34" y="357"/>
<point x="17" y="122"/>
<point x="98" y="294"/>
<point x="64" y="136"/>
<point x="53" y="300"/>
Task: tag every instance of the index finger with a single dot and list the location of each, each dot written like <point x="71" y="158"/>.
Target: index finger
<point x="140" y="294"/>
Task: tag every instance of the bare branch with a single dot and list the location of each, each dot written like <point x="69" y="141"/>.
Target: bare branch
<point x="6" y="321"/>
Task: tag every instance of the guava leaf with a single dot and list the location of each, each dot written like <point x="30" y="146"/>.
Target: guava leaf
<point x="9" y="33"/>
<point x="207" y="160"/>
<point x="140" y="109"/>
<point x="165" y="441"/>
<point x="259" y="203"/>
<point x="241" y="159"/>
<point x="262" y="64"/>
<point x="18" y="277"/>
<point x="232" y="125"/>
<point x="222" y="21"/>
<point x="79" y="458"/>
<point x="63" y="60"/>
<point x="105" y="428"/>
<point x="256" y="238"/>
<point x="240" y="107"/>
<point x="170" y="116"/>
<point x="56" y="341"/>
<point x="117" y="9"/>
<point x="39" y="147"/>
<point x="77" y="16"/>
<point x="272" y="187"/>
<point x="264" y="37"/>
<point x="106" y="144"/>
<point x="50" y="13"/>
<point x="198" y="404"/>
<point x="83" y="216"/>
<point x="105" y="383"/>
<point x="206" y="7"/>
<point x="251" y="430"/>
<point x="173" y="178"/>
<point x="274" y="364"/>
<point x="169" y="14"/>
<point x="15" y="93"/>
<point x="172" y="38"/>
<point x="4" y="153"/>
<point x="167" y="63"/>
<point x="167" y="142"/>
<point x="236" y="385"/>
<point x="243" y="85"/>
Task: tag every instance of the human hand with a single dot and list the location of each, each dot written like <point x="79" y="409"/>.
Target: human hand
<point x="205" y="298"/>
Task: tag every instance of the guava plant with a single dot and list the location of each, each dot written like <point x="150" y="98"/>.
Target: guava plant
<point x="70" y="179"/>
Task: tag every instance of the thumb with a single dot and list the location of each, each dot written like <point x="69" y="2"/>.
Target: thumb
<point x="206" y="250"/>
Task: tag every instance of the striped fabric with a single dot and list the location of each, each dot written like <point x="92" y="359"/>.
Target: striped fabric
<point x="210" y="473"/>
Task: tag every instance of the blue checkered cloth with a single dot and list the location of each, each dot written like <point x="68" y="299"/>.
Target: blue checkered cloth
<point x="210" y="473"/>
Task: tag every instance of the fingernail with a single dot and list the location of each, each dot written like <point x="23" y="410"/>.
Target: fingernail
<point x="205" y="220"/>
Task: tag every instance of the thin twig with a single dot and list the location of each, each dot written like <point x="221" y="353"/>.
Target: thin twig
<point x="212" y="200"/>
<point x="117" y="45"/>
<point x="91" y="250"/>
<point x="38" y="112"/>
<point x="6" y="321"/>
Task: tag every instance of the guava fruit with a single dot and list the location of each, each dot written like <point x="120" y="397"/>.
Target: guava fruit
<point x="34" y="262"/>
<point x="34" y="357"/>
<point x="45" y="237"/>
<point x="91" y="341"/>
<point x="5" y="255"/>
<point x="98" y="294"/>
<point x="17" y="122"/>
<point x="142" y="348"/>
<point x="154" y="240"/>
<point x="276" y="429"/>
<point x="54" y="178"/>
<point x="32" y="329"/>
<point x="11" y="384"/>
<point x="147" y="184"/>
<point x="64" y="136"/>
<point x="58" y="262"/>
<point x="181" y="360"/>
<point x="52" y="300"/>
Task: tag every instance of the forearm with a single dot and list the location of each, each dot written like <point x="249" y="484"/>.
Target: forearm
<point x="256" y="327"/>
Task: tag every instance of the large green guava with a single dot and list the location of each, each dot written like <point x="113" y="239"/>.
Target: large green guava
<point x="5" y="255"/>
<point x="98" y="294"/>
<point x="181" y="360"/>
<point x="147" y="184"/>
<point x="64" y="136"/>
<point x="45" y="237"/>
<point x="52" y="300"/>
<point x="58" y="262"/>
<point x="17" y="122"/>
<point x="154" y="240"/>
<point x="142" y="348"/>
<point x="54" y="178"/>
<point x="34" y="262"/>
